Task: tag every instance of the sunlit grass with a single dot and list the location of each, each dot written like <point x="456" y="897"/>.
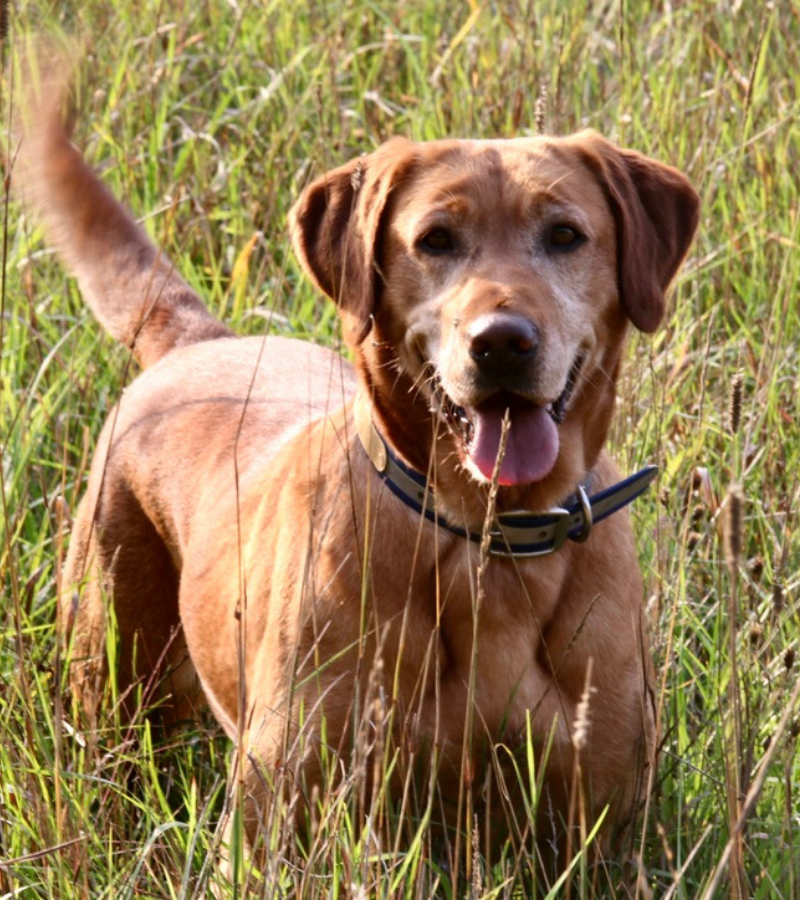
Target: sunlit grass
<point x="207" y="119"/>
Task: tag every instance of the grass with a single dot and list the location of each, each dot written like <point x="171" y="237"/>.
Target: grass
<point x="207" y="119"/>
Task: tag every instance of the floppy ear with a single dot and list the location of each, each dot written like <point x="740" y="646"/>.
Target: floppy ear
<point x="335" y="228"/>
<point x="656" y="211"/>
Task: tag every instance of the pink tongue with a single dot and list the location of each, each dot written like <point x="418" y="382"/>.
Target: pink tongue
<point x="531" y="448"/>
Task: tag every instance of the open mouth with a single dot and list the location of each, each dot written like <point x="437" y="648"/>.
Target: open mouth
<point x="532" y="443"/>
<point x="558" y="410"/>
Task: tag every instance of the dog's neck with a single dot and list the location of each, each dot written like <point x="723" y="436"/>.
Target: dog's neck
<point x="522" y="533"/>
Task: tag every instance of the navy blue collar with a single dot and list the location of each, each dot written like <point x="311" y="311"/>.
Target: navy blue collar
<point x="519" y="533"/>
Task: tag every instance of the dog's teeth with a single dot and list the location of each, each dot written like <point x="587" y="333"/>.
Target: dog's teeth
<point x="455" y="416"/>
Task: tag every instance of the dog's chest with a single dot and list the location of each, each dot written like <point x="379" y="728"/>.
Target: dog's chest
<point x="489" y="668"/>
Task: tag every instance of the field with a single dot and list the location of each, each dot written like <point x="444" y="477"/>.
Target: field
<point x="207" y="119"/>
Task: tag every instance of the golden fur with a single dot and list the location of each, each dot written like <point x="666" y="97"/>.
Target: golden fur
<point x="232" y="512"/>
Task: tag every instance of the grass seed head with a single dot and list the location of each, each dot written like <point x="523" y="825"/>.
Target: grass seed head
<point x="732" y="526"/>
<point x="735" y="406"/>
<point x="580" y="733"/>
<point x="540" y="110"/>
<point x="777" y="588"/>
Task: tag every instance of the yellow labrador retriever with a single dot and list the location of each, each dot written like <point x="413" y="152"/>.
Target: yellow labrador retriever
<point x="430" y="540"/>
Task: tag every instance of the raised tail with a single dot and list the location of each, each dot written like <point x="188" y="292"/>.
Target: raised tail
<point x="130" y="285"/>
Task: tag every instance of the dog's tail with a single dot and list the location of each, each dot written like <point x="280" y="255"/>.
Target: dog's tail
<point x="131" y="286"/>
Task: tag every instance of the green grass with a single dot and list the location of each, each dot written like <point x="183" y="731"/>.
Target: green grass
<point x="207" y="119"/>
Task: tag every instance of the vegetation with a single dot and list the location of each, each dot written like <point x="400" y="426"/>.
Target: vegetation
<point x="207" y="119"/>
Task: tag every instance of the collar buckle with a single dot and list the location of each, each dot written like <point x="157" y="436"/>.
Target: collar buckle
<point x="586" y="511"/>
<point x="506" y="536"/>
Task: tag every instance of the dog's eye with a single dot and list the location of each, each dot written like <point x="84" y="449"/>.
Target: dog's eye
<point x="437" y="241"/>
<point x="565" y="237"/>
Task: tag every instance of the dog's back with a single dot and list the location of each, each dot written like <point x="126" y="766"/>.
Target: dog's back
<point x="215" y="409"/>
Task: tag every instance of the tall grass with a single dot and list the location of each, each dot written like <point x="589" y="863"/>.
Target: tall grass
<point x="207" y="118"/>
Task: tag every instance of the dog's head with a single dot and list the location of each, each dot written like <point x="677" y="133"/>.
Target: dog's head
<point x="479" y="279"/>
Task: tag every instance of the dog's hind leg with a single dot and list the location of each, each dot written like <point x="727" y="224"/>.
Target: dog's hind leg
<point x="119" y="568"/>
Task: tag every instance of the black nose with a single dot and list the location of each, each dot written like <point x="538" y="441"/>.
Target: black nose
<point x="502" y="340"/>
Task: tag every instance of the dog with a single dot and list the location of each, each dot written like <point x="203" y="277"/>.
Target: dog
<point x="431" y="535"/>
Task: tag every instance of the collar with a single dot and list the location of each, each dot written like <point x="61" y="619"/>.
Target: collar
<point x="519" y="533"/>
